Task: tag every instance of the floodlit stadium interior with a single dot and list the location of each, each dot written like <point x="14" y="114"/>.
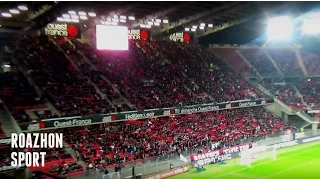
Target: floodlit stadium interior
<point x="182" y="90"/>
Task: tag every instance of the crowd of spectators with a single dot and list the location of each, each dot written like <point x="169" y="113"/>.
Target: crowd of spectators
<point x="260" y="61"/>
<point x="311" y="62"/>
<point x="310" y="89"/>
<point x="18" y="95"/>
<point x="286" y="93"/>
<point x="69" y="91"/>
<point x="107" y="145"/>
<point x="287" y="61"/>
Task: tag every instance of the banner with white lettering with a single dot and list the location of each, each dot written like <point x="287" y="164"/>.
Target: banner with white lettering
<point x="133" y="115"/>
<point x="180" y="37"/>
<point x="140" y="34"/>
<point x="62" y="29"/>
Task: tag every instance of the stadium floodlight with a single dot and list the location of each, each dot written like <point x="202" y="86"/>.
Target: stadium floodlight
<point x="115" y="20"/>
<point x="156" y="23"/>
<point x="72" y="12"/>
<point x="75" y="20"/>
<point x="150" y="23"/>
<point x="14" y="11"/>
<point x="280" y="28"/>
<point x="83" y="17"/>
<point x="142" y="25"/>
<point x="210" y="25"/>
<point x="148" y="26"/>
<point x="132" y="18"/>
<point x="74" y="16"/>
<point x="92" y="14"/>
<point x="194" y="27"/>
<point x="114" y="23"/>
<point x="115" y="16"/>
<point x="60" y="19"/>
<point x="6" y="14"/>
<point x="67" y="19"/>
<point x="187" y="29"/>
<point x="123" y="20"/>
<point x="193" y="30"/>
<point x="158" y="20"/>
<point x="23" y="8"/>
<point x="123" y="17"/>
<point x="165" y="21"/>
<point x="202" y="24"/>
<point x="201" y="27"/>
<point x="82" y="13"/>
<point x="65" y="15"/>
<point x="311" y="25"/>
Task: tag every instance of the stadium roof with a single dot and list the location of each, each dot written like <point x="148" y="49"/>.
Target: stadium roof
<point x="219" y="15"/>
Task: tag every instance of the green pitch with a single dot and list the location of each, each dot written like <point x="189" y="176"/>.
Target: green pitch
<point x="297" y="162"/>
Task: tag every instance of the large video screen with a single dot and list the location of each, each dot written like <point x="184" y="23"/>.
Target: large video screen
<point x="111" y="37"/>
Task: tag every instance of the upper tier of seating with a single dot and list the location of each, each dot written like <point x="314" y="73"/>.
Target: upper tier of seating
<point x="270" y="62"/>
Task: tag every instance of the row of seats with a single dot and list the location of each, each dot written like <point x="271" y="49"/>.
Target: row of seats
<point x="284" y="58"/>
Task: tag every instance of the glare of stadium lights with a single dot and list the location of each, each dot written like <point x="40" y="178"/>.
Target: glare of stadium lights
<point x="14" y="11"/>
<point x="148" y="26"/>
<point x="23" y="8"/>
<point x="6" y="14"/>
<point x="67" y="19"/>
<point x="194" y="27"/>
<point x="108" y="23"/>
<point x="279" y="28"/>
<point x="123" y="20"/>
<point x="72" y="12"/>
<point x="92" y="14"/>
<point x="132" y="18"/>
<point x="109" y="19"/>
<point x="123" y="17"/>
<point x="81" y="13"/>
<point x="202" y="24"/>
<point x="65" y="15"/>
<point x="193" y="30"/>
<point x="115" y="20"/>
<point x="311" y="25"/>
<point x="187" y="29"/>
<point x="142" y="25"/>
<point x="210" y="25"/>
<point x="150" y="23"/>
<point x="60" y="19"/>
<point x="75" y="20"/>
<point x="74" y="16"/>
<point x="201" y="27"/>
<point x="115" y="16"/>
<point x="83" y="17"/>
<point x="156" y="23"/>
<point x="158" y="20"/>
<point x="165" y="21"/>
<point x="114" y="23"/>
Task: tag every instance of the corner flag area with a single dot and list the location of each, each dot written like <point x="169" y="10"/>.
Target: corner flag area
<point x="298" y="162"/>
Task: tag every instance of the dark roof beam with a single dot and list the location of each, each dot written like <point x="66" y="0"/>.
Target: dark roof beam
<point x="195" y="17"/>
<point x="154" y="16"/>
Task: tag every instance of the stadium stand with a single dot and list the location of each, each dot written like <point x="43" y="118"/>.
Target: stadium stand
<point x="131" y="142"/>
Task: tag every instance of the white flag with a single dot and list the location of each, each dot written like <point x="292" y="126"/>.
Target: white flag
<point x="182" y="158"/>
